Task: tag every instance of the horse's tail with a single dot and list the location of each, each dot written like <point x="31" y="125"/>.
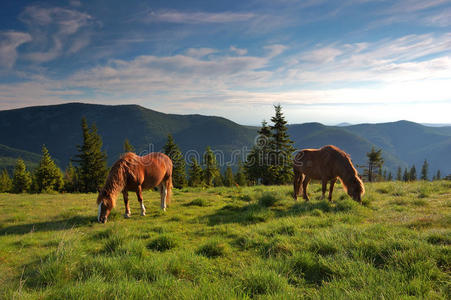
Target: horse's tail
<point x="169" y="190"/>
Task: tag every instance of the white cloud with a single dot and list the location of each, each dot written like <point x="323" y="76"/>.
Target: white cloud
<point x="198" y="17"/>
<point x="200" y="52"/>
<point x="52" y="28"/>
<point x="238" y="51"/>
<point x="9" y="42"/>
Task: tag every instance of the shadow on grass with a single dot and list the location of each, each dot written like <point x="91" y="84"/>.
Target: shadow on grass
<point x="249" y="214"/>
<point x="75" y="221"/>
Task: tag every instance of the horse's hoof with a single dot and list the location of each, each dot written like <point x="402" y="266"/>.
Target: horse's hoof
<point x="143" y="213"/>
<point x="126" y="216"/>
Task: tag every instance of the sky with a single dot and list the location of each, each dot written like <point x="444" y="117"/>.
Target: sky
<point x="325" y="61"/>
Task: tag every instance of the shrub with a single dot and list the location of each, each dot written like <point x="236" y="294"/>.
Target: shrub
<point x="268" y="199"/>
<point x="212" y="249"/>
<point x="162" y="243"/>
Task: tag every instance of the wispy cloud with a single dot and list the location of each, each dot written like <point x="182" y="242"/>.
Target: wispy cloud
<point x="198" y="17"/>
<point x="9" y="42"/>
<point x="51" y="28"/>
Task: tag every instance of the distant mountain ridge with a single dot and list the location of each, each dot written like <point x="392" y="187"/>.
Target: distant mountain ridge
<point x="58" y="127"/>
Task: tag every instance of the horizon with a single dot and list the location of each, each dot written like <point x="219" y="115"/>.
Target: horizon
<point x="356" y="61"/>
<point x="341" y="124"/>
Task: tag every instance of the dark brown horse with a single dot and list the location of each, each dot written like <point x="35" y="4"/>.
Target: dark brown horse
<point x="135" y="173"/>
<point x="326" y="164"/>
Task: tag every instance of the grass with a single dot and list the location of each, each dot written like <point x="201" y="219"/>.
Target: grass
<point x="229" y="243"/>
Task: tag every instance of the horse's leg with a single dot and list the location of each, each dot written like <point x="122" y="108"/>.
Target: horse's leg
<point x="304" y="188"/>
<point x="324" y="188"/>
<point x="139" y="193"/>
<point x="331" y="188"/>
<point x="296" y="184"/>
<point x="163" y="194"/>
<point x="127" y="206"/>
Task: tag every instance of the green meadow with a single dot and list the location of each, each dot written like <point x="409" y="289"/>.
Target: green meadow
<point x="231" y="243"/>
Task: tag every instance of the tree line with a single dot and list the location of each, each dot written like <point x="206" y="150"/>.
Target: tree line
<point x="373" y="170"/>
<point x="269" y="162"/>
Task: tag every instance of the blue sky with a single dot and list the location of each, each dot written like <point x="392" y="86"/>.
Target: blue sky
<point x="326" y="61"/>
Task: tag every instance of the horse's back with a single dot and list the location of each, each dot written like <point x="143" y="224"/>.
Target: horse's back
<point x="156" y="167"/>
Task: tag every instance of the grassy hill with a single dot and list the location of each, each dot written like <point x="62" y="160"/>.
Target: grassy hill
<point x="58" y="127"/>
<point x="229" y="243"/>
<point x="403" y="143"/>
<point x="9" y="156"/>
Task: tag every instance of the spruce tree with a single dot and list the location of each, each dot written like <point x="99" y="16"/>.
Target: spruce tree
<point x="399" y="174"/>
<point x="390" y="177"/>
<point x="229" y="180"/>
<point x="178" y="163"/>
<point x="5" y="182"/>
<point x="282" y="149"/>
<point x="257" y="162"/>
<point x="211" y="169"/>
<point x="128" y="147"/>
<point x="48" y="175"/>
<point x="438" y="176"/>
<point x="406" y="175"/>
<point x="424" y="170"/>
<point x="71" y="179"/>
<point x="240" y="176"/>
<point x="413" y="173"/>
<point x="91" y="160"/>
<point x="195" y="173"/>
<point x="21" y="178"/>
<point x="375" y="162"/>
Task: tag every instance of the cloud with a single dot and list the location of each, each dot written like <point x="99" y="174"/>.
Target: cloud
<point x="200" y="52"/>
<point x="238" y="50"/>
<point x="9" y="42"/>
<point x="52" y="28"/>
<point x="198" y="17"/>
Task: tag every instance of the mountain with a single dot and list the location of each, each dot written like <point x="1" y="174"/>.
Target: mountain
<point x="9" y="156"/>
<point x="59" y="128"/>
<point x="24" y="130"/>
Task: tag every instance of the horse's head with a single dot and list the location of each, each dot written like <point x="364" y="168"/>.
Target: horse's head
<point x="104" y="202"/>
<point x="356" y="189"/>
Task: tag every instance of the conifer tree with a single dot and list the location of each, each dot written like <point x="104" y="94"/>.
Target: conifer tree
<point x="229" y="180"/>
<point x="5" y="182"/>
<point x="211" y="169"/>
<point x="178" y="163"/>
<point x="21" y="178"/>
<point x="413" y="173"/>
<point x="71" y="179"/>
<point x="375" y="162"/>
<point x="48" y="175"/>
<point x="399" y="174"/>
<point x="257" y="162"/>
<point x="424" y="170"/>
<point x="91" y="160"/>
<point x="390" y="177"/>
<point x="240" y="176"/>
<point x="128" y="147"/>
<point x="282" y="149"/>
<point x="438" y="176"/>
<point x="195" y="173"/>
<point x="406" y="175"/>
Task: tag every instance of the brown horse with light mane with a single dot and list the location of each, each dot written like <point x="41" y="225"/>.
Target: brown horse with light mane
<point x="135" y="173"/>
<point x="326" y="164"/>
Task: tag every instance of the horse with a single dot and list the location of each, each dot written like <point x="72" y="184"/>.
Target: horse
<point x="135" y="173"/>
<point x="326" y="164"/>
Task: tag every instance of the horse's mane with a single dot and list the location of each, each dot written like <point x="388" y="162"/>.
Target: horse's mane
<point x="117" y="178"/>
<point x="349" y="175"/>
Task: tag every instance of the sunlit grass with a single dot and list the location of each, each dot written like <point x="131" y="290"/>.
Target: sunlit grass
<point x="228" y="243"/>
